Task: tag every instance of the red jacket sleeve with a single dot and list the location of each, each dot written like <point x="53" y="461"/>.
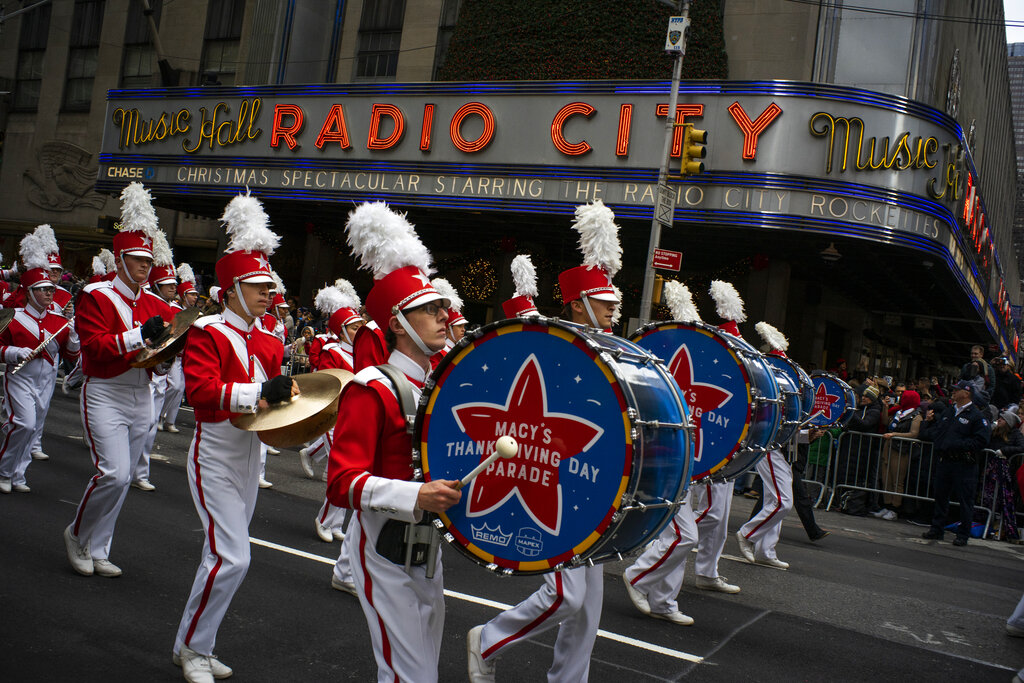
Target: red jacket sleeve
<point x="201" y="365"/>
<point x="94" y="331"/>
<point x="357" y="435"/>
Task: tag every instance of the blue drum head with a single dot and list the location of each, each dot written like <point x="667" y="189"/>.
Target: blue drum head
<point x="834" y="398"/>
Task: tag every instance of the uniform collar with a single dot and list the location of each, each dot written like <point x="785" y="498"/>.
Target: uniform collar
<point x="235" y="320"/>
<point x="124" y="290"/>
<point x="416" y="373"/>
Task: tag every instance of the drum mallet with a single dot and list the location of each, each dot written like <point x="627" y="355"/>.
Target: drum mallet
<point x="506" y="447"/>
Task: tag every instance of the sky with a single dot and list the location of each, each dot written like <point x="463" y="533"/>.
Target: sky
<point x="1014" y="11"/>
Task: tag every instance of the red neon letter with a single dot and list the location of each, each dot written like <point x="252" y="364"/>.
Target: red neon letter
<point x="561" y="144"/>
<point x="334" y="129"/>
<point x="751" y="129"/>
<point x="622" y="139"/>
<point x="682" y="111"/>
<point x="390" y="110"/>
<point x="484" y="112"/>
<point x="428" y="126"/>
<point x="287" y="132"/>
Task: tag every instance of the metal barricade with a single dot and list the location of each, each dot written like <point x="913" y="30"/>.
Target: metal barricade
<point x="817" y="467"/>
<point x="298" y="363"/>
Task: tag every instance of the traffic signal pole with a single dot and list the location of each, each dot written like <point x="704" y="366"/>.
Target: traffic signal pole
<point x="646" y="300"/>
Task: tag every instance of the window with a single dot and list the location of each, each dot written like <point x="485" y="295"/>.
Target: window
<point x="35" y="26"/>
<point x="138" y="63"/>
<point x="445" y="29"/>
<point x="83" y="51"/>
<point x="220" y="47"/>
<point x="380" y="35"/>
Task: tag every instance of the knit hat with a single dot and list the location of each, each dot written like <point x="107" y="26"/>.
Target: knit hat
<point x="251" y="242"/>
<point x="524" y="276"/>
<point x="602" y="255"/>
<point x="909" y="400"/>
<point x="1011" y="418"/>
<point x="870" y="391"/>
<point x="728" y="305"/>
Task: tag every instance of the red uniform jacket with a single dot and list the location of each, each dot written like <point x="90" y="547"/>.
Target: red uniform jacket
<point x="226" y="363"/>
<point x="28" y="330"/>
<point x="108" y="320"/>
<point x="336" y="354"/>
<point x="313" y="351"/>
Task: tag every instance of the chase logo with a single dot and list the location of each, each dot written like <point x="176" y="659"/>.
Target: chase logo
<point x="485" y="534"/>
<point x="529" y="542"/>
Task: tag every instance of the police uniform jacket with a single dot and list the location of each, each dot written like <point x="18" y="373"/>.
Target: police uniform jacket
<point x="958" y="438"/>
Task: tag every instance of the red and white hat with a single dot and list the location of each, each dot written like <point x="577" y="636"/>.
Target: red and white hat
<point x="602" y="255"/>
<point x="524" y="275"/>
<point x="776" y="341"/>
<point x="34" y="250"/>
<point x="448" y="291"/>
<point x="250" y="244"/>
<point x="387" y="245"/>
<point x="680" y="302"/>
<point x="138" y="226"/>
<point x="187" y="279"/>
<point x="279" y="291"/>
<point x="340" y="304"/>
<point x="728" y="305"/>
<point x="162" y="272"/>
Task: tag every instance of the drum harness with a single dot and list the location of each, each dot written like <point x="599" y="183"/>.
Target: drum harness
<point x="405" y="543"/>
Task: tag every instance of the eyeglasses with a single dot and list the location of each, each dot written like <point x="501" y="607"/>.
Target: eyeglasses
<point x="430" y="309"/>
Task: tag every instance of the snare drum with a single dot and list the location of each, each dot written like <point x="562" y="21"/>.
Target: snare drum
<point x="604" y="445"/>
<point x="833" y="398"/>
<point x="731" y="391"/>
<point x="798" y="394"/>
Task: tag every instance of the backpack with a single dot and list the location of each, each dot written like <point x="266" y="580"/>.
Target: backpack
<point x="852" y="502"/>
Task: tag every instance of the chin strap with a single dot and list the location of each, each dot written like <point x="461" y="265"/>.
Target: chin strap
<point x="412" y="333"/>
<point x="590" y="312"/>
<point x="35" y="301"/>
<point x="241" y="299"/>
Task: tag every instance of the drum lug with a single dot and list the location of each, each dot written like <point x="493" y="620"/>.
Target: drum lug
<point x="632" y="414"/>
<point x="417" y="474"/>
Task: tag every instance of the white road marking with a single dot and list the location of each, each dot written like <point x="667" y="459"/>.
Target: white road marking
<point x="625" y="640"/>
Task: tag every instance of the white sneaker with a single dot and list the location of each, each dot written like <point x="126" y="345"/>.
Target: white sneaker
<point x="143" y="485"/>
<point x="264" y="484"/>
<point x="64" y="387"/>
<point x="1014" y="631"/>
<point x="79" y="557"/>
<point x="218" y="668"/>
<point x="323" y="477"/>
<point x="889" y="515"/>
<point x="105" y="568"/>
<point x="39" y="455"/>
<point x="716" y="584"/>
<point x="196" y="667"/>
<point x="159" y="426"/>
<point x="338" y="534"/>
<point x="272" y="451"/>
<point x="306" y="463"/>
<point x="746" y="547"/>
<point x="343" y="586"/>
<point x="21" y="488"/>
<point x="676" y="617"/>
<point x="169" y="427"/>
<point x="480" y="670"/>
<point x="638" y="599"/>
<point x="5" y="484"/>
<point x="773" y="562"/>
<point x="322" y="532"/>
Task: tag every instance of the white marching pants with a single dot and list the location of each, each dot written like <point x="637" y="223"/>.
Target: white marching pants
<point x="158" y="387"/>
<point x="343" y="567"/>
<point x="570" y="600"/>
<point x="26" y="401"/>
<point x="712" y="503"/>
<point x="404" y="612"/>
<point x="168" y="412"/>
<point x="321" y="448"/>
<point x="115" y="418"/>
<point x="658" y="572"/>
<point x="331" y="517"/>
<point x="763" y="529"/>
<point x="223" y="475"/>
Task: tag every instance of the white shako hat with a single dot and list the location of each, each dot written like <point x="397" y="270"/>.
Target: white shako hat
<point x="728" y="305"/>
<point x="680" y="302"/>
<point x="138" y="227"/>
<point x="602" y="255"/>
<point x="34" y="250"/>
<point x="187" y="279"/>
<point x="251" y="242"/>
<point x="524" y="275"/>
<point x="773" y="338"/>
<point x="163" y="272"/>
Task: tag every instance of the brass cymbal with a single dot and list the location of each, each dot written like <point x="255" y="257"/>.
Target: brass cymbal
<point x="170" y="342"/>
<point x="311" y="427"/>
<point x="6" y="316"/>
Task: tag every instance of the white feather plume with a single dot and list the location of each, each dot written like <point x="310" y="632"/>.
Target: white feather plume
<point x="247" y="225"/>
<point x="599" y="236"/>
<point x="185" y="273"/>
<point x="215" y="293"/>
<point x="617" y="312"/>
<point x="348" y="292"/>
<point x="107" y="257"/>
<point x="524" y="275"/>
<point x="447" y="291"/>
<point x="328" y="300"/>
<point x="33" y="252"/>
<point x="137" y="211"/>
<point x="384" y="240"/>
<point x="772" y="336"/>
<point x="162" y="255"/>
<point x="680" y="302"/>
<point x="278" y="283"/>
<point x="728" y="303"/>
<point x="47" y="240"/>
<point x="97" y="266"/>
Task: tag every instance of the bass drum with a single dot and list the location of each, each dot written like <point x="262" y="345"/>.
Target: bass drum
<point x="732" y="393"/>
<point x="798" y="394"/>
<point x="604" y="445"/>
<point x="834" y="400"/>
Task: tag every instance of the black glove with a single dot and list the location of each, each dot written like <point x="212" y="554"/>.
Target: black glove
<point x="277" y="389"/>
<point x="152" y="328"/>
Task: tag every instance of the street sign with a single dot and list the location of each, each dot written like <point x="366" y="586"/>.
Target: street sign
<point x="667" y="260"/>
<point x="665" y="211"/>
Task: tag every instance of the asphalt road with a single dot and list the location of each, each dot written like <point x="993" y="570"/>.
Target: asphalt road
<point x="872" y="602"/>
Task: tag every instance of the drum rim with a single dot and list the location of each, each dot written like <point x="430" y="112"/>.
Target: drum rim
<point x="591" y="543"/>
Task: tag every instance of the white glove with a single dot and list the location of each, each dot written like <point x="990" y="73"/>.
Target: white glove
<point x="20" y="353"/>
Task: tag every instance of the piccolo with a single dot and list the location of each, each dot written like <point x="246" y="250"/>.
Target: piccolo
<point x="35" y="351"/>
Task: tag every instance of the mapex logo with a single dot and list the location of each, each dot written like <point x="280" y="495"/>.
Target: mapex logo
<point x="529" y="542"/>
<point x="485" y="534"/>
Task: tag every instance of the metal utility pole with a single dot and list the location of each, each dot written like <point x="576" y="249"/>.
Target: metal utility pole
<point x="664" y="194"/>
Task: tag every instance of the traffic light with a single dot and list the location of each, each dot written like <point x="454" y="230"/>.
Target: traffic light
<point x="693" y="150"/>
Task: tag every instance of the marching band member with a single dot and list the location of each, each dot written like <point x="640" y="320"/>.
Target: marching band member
<point x="232" y="366"/>
<point x="187" y="297"/>
<point x="371" y="468"/>
<point x="27" y="393"/>
<point x="456" y="322"/>
<point x="114" y="320"/>
<point x="6" y="275"/>
<point x="313" y="350"/>
<point x="654" y="580"/>
<point x="99" y="269"/>
<point x="272" y="323"/>
<point x="524" y="276"/>
<point x="569" y="599"/>
<point x="759" y="536"/>
<point x="164" y="283"/>
<point x="102" y="267"/>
